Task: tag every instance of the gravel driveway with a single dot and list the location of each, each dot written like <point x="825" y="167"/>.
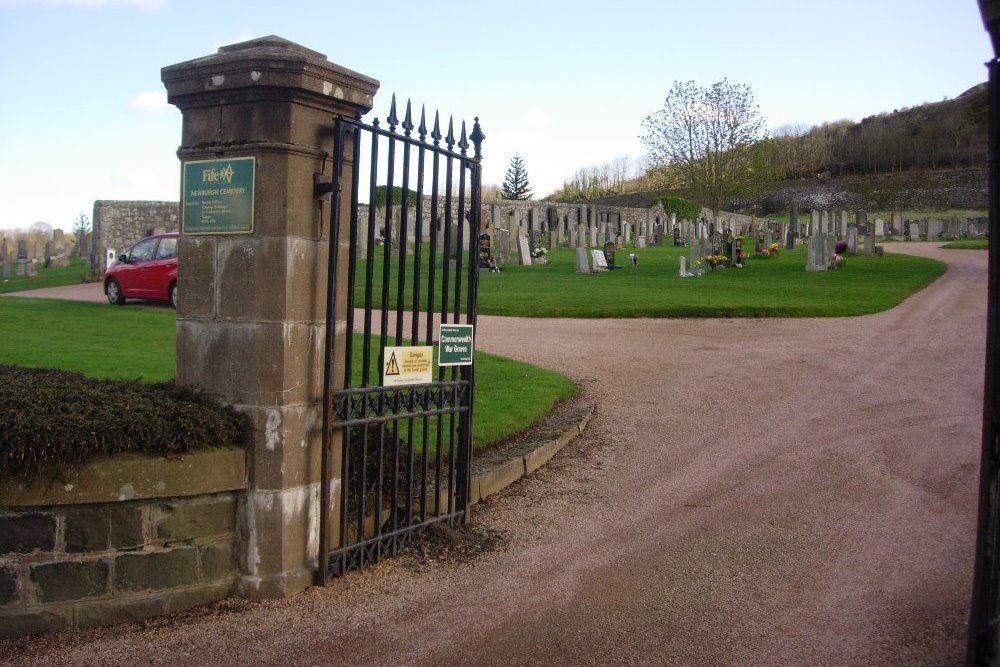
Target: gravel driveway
<point x="749" y="492"/>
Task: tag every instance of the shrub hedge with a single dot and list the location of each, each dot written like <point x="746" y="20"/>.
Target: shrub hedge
<point x="51" y="419"/>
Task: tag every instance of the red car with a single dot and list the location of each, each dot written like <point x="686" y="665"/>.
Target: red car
<point x="147" y="270"/>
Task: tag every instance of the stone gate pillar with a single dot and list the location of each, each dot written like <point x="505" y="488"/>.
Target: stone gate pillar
<point x="252" y="306"/>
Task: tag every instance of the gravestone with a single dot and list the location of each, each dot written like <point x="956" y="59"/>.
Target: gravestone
<point x="640" y="241"/>
<point x="582" y="263"/>
<point x="581" y="236"/>
<point x="534" y="241"/>
<point x="879" y="227"/>
<point x="22" y="249"/>
<point x="793" y="226"/>
<point x="524" y="250"/>
<point x="914" y="231"/>
<point x="501" y="246"/>
<point x="5" y="259"/>
<point x="934" y="228"/>
<point x="486" y="258"/>
<point x="600" y="261"/>
<point x="683" y="270"/>
<point x="815" y="254"/>
<point x="861" y="220"/>
<point x="897" y="224"/>
<point x="852" y="240"/>
<point x="609" y="254"/>
<point x="869" y="246"/>
<point x="553" y="240"/>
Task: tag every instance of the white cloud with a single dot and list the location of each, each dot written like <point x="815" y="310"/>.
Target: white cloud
<point x="149" y="5"/>
<point x="152" y="102"/>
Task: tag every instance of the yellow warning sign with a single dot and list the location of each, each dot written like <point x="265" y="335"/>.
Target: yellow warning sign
<point x="407" y="365"/>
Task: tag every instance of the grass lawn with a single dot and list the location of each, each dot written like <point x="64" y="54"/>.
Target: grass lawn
<point x="968" y="244"/>
<point x="133" y="343"/>
<point x="775" y="287"/>
<point x="74" y="274"/>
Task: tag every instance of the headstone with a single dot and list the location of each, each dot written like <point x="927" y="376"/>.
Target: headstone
<point x="553" y="240"/>
<point x="486" y="258"/>
<point x="582" y="263"/>
<point x="861" y="219"/>
<point x="525" y="251"/>
<point x="852" y="240"/>
<point x="600" y="261"/>
<point x="897" y="224"/>
<point x="683" y="269"/>
<point x="32" y="269"/>
<point x="813" y="222"/>
<point x="501" y="246"/>
<point x="22" y="249"/>
<point x="640" y="241"/>
<point x="869" y="246"/>
<point x="581" y="236"/>
<point x="793" y="225"/>
<point x="934" y="228"/>
<point x="609" y="254"/>
<point x="914" y="231"/>
<point x="816" y="250"/>
<point x="879" y="227"/>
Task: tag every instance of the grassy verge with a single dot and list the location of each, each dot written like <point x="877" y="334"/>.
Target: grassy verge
<point x="968" y="244"/>
<point x="74" y="274"/>
<point x="101" y="341"/>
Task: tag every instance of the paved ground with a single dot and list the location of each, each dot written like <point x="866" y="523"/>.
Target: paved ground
<point x="749" y="492"/>
<point x="93" y="292"/>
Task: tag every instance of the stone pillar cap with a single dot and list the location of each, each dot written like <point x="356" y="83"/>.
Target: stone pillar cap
<point x="267" y="63"/>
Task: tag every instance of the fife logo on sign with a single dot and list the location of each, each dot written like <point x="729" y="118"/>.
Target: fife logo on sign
<point x="216" y="175"/>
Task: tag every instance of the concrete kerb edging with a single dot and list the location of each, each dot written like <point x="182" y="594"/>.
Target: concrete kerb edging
<point x="487" y="483"/>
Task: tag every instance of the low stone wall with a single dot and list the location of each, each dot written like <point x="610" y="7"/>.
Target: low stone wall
<point x="118" y="224"/>
<point x="107" y="544"/>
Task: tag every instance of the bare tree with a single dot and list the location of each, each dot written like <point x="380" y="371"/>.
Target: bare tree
<point x="709" y="135"/>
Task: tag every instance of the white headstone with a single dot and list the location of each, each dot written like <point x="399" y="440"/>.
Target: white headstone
<point x="600" y="261"/>
<point x="683" y="271"/>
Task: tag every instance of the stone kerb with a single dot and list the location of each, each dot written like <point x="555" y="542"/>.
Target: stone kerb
<point x="251" y="324"/>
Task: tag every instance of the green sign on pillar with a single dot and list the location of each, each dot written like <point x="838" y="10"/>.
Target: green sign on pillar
<point x="455" y="345"/>
<point x="217" y="196"/>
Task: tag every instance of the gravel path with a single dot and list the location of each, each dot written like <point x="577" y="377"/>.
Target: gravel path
<point x="749" y="492"/>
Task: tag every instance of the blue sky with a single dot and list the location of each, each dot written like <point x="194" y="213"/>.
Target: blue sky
<point x="565" y="84"/>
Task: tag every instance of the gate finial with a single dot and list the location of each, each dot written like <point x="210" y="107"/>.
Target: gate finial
<point x="477" y="138"/>
<point x="436" y="134"/>
<point x="408" y="119"/>
<point x="392" y="119"/>
<point x="450" y="139"/>
<point x="422" y="130"/>
<point x="463" y="143"/>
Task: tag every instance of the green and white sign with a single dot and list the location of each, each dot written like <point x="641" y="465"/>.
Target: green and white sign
<point x="217" y="196"/>
<point x="455" y="345"/>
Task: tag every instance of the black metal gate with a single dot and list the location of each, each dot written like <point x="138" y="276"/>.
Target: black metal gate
<point x="402" y="454"/>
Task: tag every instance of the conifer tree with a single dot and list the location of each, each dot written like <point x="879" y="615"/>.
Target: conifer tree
<point x="515" y="183"/>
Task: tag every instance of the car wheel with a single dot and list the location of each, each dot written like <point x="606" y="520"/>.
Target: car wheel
<point x="173" y="295"/>
<point x="114" y="293"/>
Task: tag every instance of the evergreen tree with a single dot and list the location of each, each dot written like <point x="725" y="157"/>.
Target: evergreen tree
<point x="515" y="183"/>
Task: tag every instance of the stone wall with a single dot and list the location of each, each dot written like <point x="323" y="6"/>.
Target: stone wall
<point x="72" y="555"/>
<point x="119" y="224"/>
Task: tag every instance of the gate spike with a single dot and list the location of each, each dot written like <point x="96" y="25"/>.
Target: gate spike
<point x="392" y="119"/>
<point x="422" y="130"/>
<point x="450" y="139"/>
<point x="463" y="143"/>
<point x="477" y="137"/>
<point x="436" y="134"/>
<point x="408" y="119"/>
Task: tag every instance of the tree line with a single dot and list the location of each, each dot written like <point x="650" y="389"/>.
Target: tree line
<point x="712" y="143"/>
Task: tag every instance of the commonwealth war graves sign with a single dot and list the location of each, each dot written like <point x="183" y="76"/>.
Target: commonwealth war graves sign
<point x="217" y="196"/>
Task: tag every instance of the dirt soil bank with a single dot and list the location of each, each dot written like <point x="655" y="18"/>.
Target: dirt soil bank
<point x="749" y="492"/>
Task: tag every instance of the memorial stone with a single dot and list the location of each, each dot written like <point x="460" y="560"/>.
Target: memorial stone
<point x="502" y="246"/>
<point x="683" y="270"/>
<point x="914" y="228"/>
<point x="852" y="240"/>
<point x="640" y="241"/>
<point x="609" y="254"/>
<point x="582" y="263"/>
<point x="600" y="261"/>
<point x="879" y="227"/>
<point x="524" y="250"/>
<point x="869" y="246"/>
